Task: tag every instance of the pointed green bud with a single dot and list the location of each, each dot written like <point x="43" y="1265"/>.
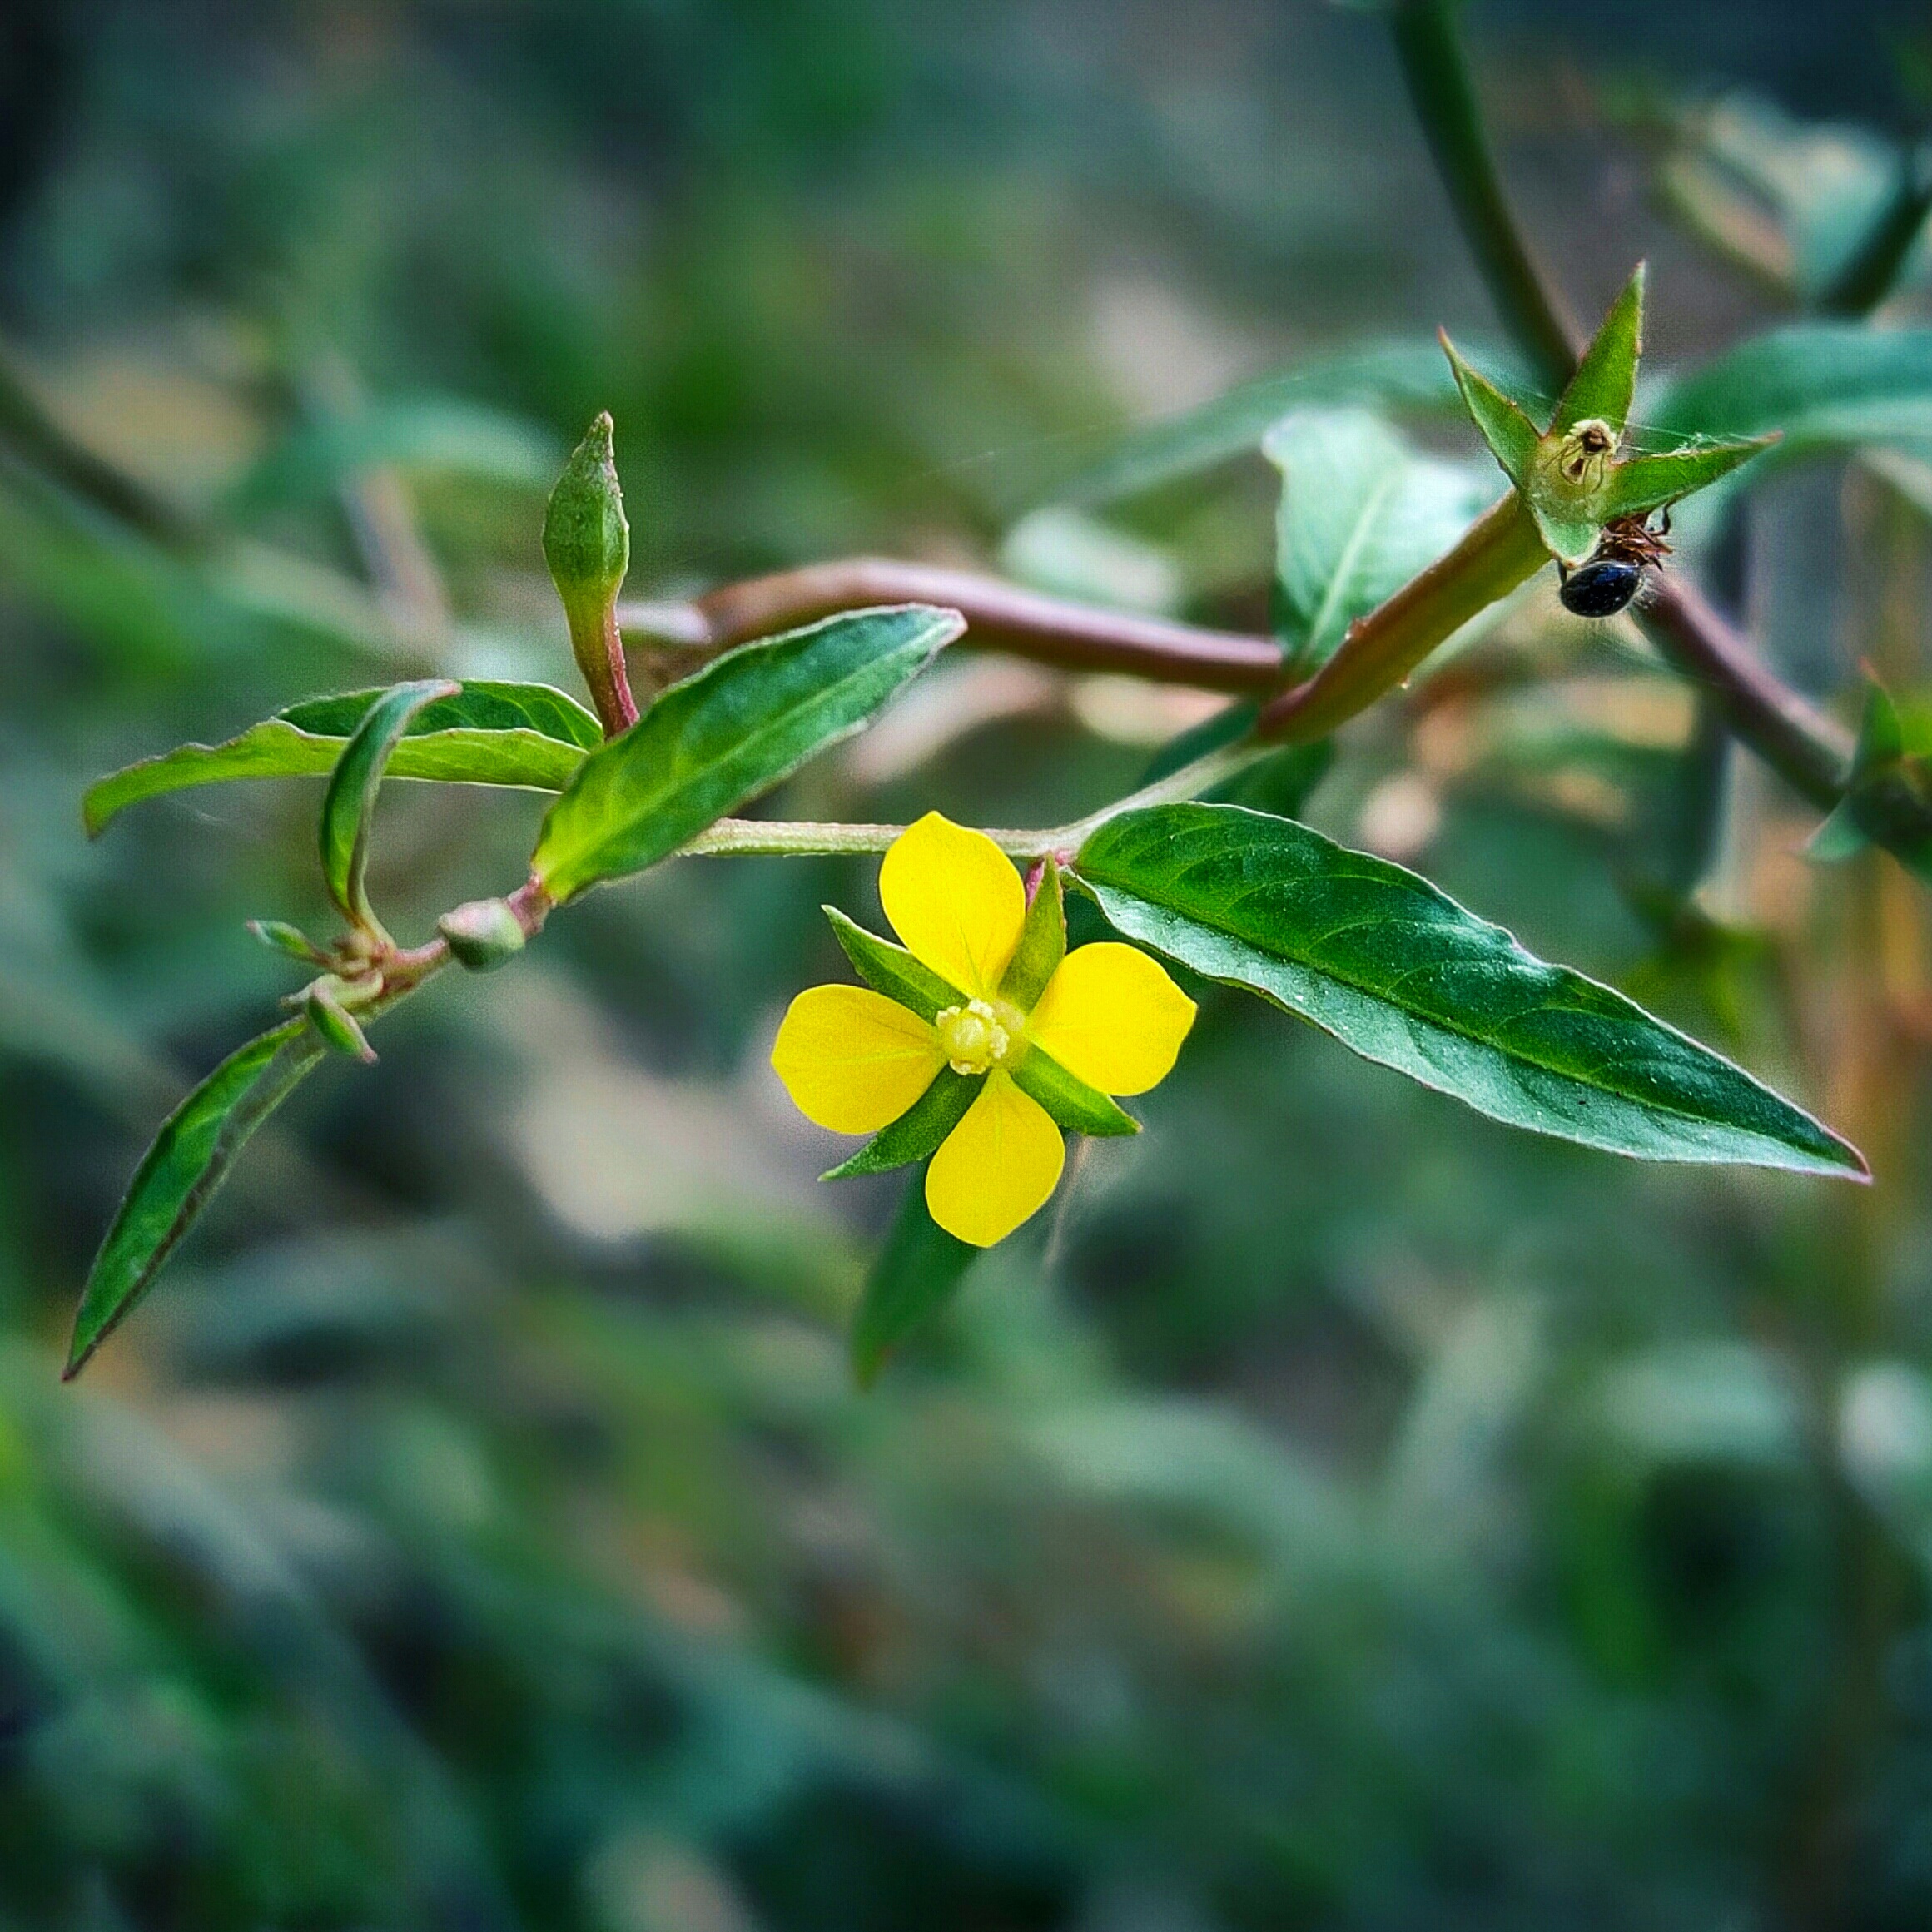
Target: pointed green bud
<point x="483" y="934"/>
<point x="587" y="544"/>
<point x="329" y="1013"/>
<point x="279" y="937"/>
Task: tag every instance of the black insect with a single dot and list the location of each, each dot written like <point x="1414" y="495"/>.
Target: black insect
<point x="1607" y="580"/>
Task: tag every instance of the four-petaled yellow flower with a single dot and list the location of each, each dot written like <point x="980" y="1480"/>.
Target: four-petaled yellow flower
<point x="856" y="1061"/>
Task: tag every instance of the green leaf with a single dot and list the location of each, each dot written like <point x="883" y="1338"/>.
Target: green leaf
<point x="745" y="722"/>
<point x="916" y="1134"/>
<point x="1647" y="483"/>
<point x="1605" y="378"/>
<point x="1403" y="377"/>
<point x="350" y="802"/>
<point x="893" y="971"/>
<point x="189" y="1160"/>
<point x="1823" y="385"/>
<point x="1512" y="437"/>
<point x="1361" y="512"/>
<point x="485" y="734"/>
<point x="1042" y="943"/>
<point x="425" y="433"/>
<point x="1401" y="974"/>
<point x="1073" y="1104"/>
<point x="918" y="1270"/>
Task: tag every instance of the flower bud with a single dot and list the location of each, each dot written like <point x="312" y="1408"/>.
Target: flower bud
<point x="587" y="544"/>
<point x="329" y="1014"/>
<point x="483" y="934"/>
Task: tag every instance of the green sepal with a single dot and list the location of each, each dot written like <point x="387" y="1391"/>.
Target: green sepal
<point x="1072" y="1103"/>
<point x="1605" y="383"/>
<point x="1512" y="437"/>
<point x="893" y="971"/>
<point x="1647" y="483"/>
<point x="278" y="936"/>
<point x="917" y="1133"/>
<point x="1042" y="943"/>
<point x="350" y="802"/>
<point x="327" y="1013"/>
<point x="918" y="1270"/>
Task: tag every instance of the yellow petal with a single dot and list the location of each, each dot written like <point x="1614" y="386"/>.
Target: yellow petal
<point x="953" y="898"/>
<point x="1112" y="1017"/>
<point x="998" y="1167"/>
<point x="852" y="1059"/>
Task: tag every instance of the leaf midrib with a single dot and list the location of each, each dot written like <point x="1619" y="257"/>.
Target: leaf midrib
<point x="1594" y="1085"/>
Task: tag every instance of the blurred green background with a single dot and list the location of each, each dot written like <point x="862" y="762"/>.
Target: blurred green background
<point x="1339" y="1511"/>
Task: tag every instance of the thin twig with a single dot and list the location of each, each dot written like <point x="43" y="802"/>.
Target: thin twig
<point x="999" y="617"/>
<point x="1444" y="99"/>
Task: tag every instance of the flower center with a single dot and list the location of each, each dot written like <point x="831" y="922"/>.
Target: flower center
<point x="977" y="1036"/>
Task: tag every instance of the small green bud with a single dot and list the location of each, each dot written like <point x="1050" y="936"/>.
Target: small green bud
<point x="587" y="543"/>
<point x="328" y="1014"/>
<point x="483" y="934"/>
<point x="278" y="937"/>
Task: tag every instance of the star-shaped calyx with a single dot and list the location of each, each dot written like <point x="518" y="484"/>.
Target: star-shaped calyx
<point x="1575" y="475"/>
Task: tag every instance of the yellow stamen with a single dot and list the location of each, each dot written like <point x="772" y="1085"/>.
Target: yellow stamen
<point x="977" y="1036"/>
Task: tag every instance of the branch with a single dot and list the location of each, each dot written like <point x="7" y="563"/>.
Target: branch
<point x="999" y="617"/>
<point x="1444" y="100"/>
<point x="1803" y="747"/>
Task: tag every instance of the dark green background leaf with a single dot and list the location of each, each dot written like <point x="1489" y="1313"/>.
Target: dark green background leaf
<point x="917" y="1271"/>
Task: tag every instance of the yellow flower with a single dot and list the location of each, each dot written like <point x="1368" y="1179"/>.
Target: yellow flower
<point x="856" y="1060"/>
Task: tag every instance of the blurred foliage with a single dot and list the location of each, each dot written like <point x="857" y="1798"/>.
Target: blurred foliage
<point x="1346" y="1512"/>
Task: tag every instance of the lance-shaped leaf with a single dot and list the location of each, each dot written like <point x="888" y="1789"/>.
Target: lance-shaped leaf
<point x="348" y="804"/>
<point x="918" y="1270"/>
<point x="1605" y="378"/>
<point x="729" y="734"/>
<point x="1361" y="512"/>
<point x="484" y="734"/>
<point x="1826" y="385"/>
<point x="1401" y="974"/>
<point x="1647" y="483"/>
<point x="189" y="1160"/>
<point x="1512" y="437"/>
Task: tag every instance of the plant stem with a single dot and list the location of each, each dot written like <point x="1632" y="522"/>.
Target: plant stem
<point x="1444" y="99"/>
<point x="1867" y="278"/>
<point x="999" y="617"/>
<point x="1797" y="742"/>
<point x="1500" y="550"/>
<point x="797" y="838"/>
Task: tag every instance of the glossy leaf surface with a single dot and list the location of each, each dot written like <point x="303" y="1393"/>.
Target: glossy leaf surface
<point x="1399" y="972"/>
<point x="725" y="736"/>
